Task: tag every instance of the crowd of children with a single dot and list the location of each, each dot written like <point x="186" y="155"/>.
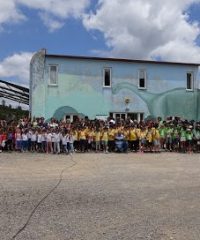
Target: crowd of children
<point x="112" y="135"/>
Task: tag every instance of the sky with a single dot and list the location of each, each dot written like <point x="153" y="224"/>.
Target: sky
<point x="137" y="29"/>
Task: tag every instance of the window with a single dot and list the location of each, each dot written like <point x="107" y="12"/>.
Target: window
<point x="53" y="75"/>
<point x="141" y="116"/>
<point x="189" y="81"/>
<point x="132" y="115"/>
<point x="142" y="79"/>
<point x="107" y="77"/>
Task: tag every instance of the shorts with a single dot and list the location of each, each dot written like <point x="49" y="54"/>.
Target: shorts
<point x="18" y="144"/>
<point x="189" y="142"/>
<point x="105" y="143"/>
<point x="148" y="143"/>
<point x="143" y="141"/>
<point x="156" y="142"/>
<point x="182" y="139"/>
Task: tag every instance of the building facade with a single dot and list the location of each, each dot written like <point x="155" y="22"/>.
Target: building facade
<point x="71" y="86"/>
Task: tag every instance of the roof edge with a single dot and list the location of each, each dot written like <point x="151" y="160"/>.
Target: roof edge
<point x="118" y="59"/>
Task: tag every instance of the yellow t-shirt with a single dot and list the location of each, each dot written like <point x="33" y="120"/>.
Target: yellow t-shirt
<point x="111" y="134"/>
<point x="97" y="136"/>
<point x="143" y="134"/>
<point x="90" y="135"/>
<point x="157" y="134"/>
<point x="104" y="136"/>
<point x="153" y="131"/>
<point x="75" y="135"/>
<point x="82" y="135"/>
<point x="138" y="131"/>
<point x="126" y="134"/>
<point x="132" y="135"/>
<point x="149" y="136"/>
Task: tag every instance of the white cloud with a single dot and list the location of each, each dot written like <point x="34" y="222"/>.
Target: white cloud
<point x="55" y="12"/>
<point x="58" y="8"/>
<point x="16" y="66"/>
<point x="146" y="29"/>
<point x="51" y="23"/>
<point x="9" y="12"/>
<point x="52" y="12"/>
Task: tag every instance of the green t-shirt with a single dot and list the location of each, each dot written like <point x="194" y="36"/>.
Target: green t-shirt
<point x="175" y="133"/>
<point x="189" y="135"/>
<point x="162" y="132"/>
<point x="183" y="133"/>
<point x="169" y="132"/>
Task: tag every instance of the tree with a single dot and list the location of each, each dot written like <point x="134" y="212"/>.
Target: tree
<point x="3" y="102"/>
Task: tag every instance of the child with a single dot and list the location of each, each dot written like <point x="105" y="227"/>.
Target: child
<point x="175" y="139"/>
<point x="64" y="140"/>
<point x="143" y="134"/>
<point x="189" y="137"/>
<point x="97" y="139"/>
<point x="156" y="139"/>
<point x="149" y="139"/>
<point x="132" y="139"/>
<point x="18" y="139"/>
<point x="24" y="141"/>
<point x="1" y="141"/>
<point x="71" y="142"/>
<point x="183" y="139"/>
<point x="49" y="136"/>
<point x="10" y="140"/>
<point x="162" y="132"/>
<point x="44" y="142"/>
<point x="39" y="141"/>
<point x="56" y="144"/>
<point x="90" y="139"/>
<point x="33" y="141"/>
<point x="30" y="132"/>
<point x="82" y="139"/>
<point x="104" y="139"/>
<point x="196" y="138"/>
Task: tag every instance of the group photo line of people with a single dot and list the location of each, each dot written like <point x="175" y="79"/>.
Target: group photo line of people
<point x="107" y="136"/>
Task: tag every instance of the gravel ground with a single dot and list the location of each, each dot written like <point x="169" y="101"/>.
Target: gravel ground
<point x="102" y="196"/>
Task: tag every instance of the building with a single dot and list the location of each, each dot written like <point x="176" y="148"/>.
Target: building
<point x="71" y="86"/>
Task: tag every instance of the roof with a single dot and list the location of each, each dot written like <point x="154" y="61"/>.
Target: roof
<point x="119" y="60"/>
<point x="14" y="92"/>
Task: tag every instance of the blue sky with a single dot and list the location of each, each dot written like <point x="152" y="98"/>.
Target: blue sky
<point x="32" y="35"/>
<point x="137" y="29"/>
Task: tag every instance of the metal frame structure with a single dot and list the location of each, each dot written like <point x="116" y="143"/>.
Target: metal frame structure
<point x="14" y="92"/>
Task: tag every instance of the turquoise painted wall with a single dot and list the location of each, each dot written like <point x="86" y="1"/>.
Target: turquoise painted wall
<point x="80" y="87"/>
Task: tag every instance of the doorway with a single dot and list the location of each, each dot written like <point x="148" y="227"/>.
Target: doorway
<point x="70" y="117"/>
<point x="132" y="115"/>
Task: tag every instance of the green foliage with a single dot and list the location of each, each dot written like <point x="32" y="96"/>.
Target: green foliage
<point x="7" y="113"/>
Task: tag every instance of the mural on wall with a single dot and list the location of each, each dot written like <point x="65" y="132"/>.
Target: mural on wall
<point x="175" y="102"/>
<point x="80" y="91"/>
<point x="61" y="112"/>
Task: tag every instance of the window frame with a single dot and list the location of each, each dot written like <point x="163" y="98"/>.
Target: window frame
<point x="104" y="70"/>
<point x="49" y="80"/>
<point x="192" y="81"/>
<point x="145" y="79"/>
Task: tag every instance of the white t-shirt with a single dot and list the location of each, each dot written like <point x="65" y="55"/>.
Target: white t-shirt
<point x="33" y="137"/>
<point x="43" y="137"/>
<point x="18" y="136"/>
<point x="24" y="137"/>
<point x="71" y="139"/>
<point x="39" y="138"/>
<point x="30" y="134"/>
<point x="57" y="137"/>
<point x="64" y="140"/>
<point x="49" y="137"/>
<point x="53" y="137"/>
